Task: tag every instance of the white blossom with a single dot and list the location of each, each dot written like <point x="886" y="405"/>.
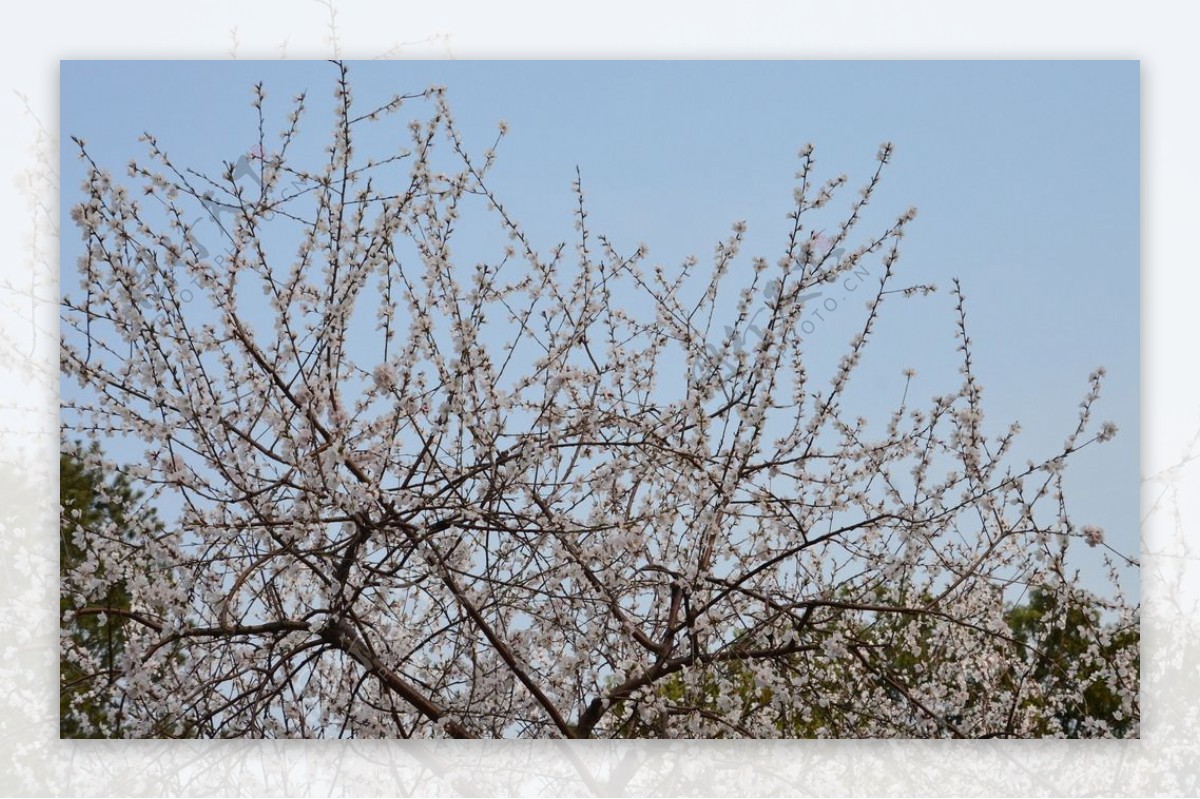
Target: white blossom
<point x="431" y="486"/>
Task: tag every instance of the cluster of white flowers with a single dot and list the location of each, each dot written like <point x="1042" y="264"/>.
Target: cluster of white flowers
<point x="1093" y="535"/>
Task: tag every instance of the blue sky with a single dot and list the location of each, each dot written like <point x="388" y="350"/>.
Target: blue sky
<point x="1026" y="175"/>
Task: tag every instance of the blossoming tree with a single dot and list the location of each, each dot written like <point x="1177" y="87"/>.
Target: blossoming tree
<point x="536" y="492"/>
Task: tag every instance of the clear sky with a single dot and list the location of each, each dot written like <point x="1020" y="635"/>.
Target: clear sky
<point x="1026" y="175"/>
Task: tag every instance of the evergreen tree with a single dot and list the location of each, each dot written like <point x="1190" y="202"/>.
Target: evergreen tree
<point x="93" y="503"/>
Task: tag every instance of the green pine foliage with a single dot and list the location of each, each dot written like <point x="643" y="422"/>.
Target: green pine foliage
<point x="93" y="504"/>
